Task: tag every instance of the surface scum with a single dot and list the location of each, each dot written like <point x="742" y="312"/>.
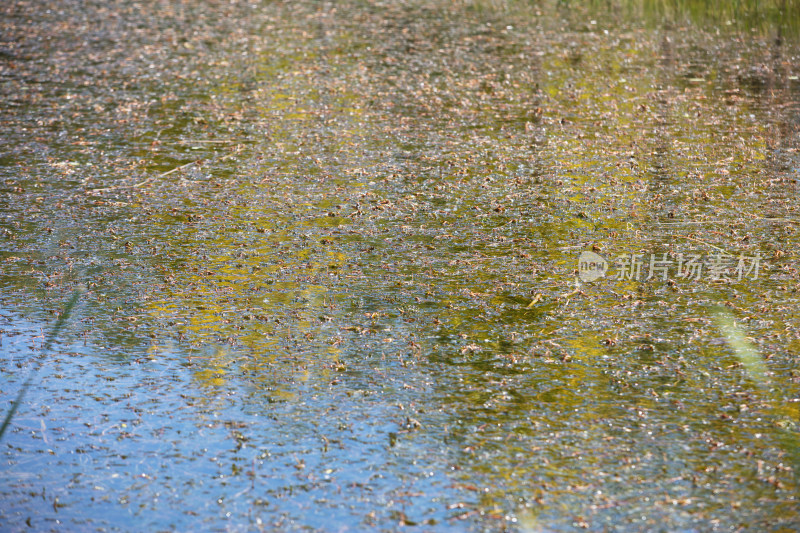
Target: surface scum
<point x="328" y="263"/>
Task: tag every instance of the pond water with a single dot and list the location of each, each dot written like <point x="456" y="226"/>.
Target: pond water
<point x="326" y="260"/>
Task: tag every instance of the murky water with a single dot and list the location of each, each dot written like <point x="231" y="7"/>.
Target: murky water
<point x="327" y="258"/>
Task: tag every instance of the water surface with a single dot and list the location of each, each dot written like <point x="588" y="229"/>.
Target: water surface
<point x="327" y="258"/>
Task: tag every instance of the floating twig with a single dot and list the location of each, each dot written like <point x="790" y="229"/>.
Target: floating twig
<point x="199" y="141"/>
<point x="164" y="174"/>
<point x="703" y="242"/>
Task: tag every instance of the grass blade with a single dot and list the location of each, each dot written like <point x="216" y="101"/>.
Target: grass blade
<point x="62" y="319"/>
